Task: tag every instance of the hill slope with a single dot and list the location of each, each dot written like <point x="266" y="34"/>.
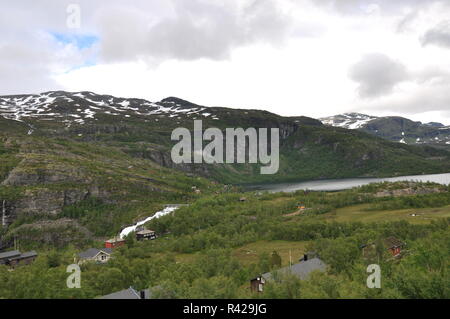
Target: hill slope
<point x="142" y="129"/>
<point x="98" y="162"/>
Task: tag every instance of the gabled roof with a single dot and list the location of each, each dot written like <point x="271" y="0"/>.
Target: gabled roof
<point x="9" y="254"/>
<point x="145" y="232"/>
<point x="114" y="240"/>
<point x="301" y="269"/>
<point x="28" y="254"/>
<point x="392" y="242"/>
<point x="129" y="293"/>
<point x="92" y="252"/>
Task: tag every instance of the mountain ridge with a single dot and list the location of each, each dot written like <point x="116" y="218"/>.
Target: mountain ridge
<point x="393" y="128"/>
<point x="142" y="129"/>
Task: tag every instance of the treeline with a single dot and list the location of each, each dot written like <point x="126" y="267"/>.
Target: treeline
<point x="194" y="256"/>
<point x="423" y="272"/>
<point x="413" y="201"/>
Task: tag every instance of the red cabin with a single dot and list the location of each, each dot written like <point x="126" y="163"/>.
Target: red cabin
<point x="114" y="243"/>
<point x="394" y="245"/>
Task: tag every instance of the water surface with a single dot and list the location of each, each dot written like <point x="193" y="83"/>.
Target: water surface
<point x="346" y="183"/>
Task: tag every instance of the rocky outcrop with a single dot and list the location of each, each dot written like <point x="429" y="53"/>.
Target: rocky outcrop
<point x="32" y="171"/>
<point x="407" y="191"/>
<point x="48" y="202"/>
<point x="57" y="233"/>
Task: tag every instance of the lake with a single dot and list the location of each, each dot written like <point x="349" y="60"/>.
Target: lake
<point x="345" y="183"/>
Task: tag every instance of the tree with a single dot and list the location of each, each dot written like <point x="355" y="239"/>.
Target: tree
<point x="129" y="240"/>
<point x="275" y="260"/>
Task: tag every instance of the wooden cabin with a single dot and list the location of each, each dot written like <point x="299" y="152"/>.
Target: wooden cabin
<point x="114" y="242"/>
<point x="394" y="245"/>
<point x="16" y="258"/>
<point x="257" y="284"/>
<point x="146" y="234"/>
<point x="100" y="256"/>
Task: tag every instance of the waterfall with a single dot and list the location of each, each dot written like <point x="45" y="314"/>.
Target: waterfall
<point x="163" y="212"/>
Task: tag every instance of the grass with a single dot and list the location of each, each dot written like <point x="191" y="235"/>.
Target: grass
<point x="357" y="213"/>
<point x="250" y="253"/>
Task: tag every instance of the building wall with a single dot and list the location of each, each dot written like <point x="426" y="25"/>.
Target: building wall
<point x="102" y="258"/>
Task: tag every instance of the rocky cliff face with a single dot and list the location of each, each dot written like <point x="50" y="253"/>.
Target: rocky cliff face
<point x="56" y="233"/>
<point x="46" y="202"/>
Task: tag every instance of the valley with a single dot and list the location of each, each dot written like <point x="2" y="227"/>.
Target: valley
<point x="78" y="168"/>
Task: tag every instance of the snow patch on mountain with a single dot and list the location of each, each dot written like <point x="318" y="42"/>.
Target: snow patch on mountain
<point x="81" y="107"/>
<point x="348" y="120"/>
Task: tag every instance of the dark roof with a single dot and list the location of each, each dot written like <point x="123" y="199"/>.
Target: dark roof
<point x="129" y="293"/>
<point x="392" y="242"/>
<point x="301" y="269"/>
<point x="145" y="232"/>
<point x="309" y="255"/>
<point x="28" y="254"/>
<point x="92" y="252"/>
<point x="115" y="240"/>
<point x="9" y="254"/>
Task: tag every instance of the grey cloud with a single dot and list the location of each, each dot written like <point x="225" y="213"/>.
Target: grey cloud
<point x="140" y="29"/>
<point x="361" y="6"/>
<point x="432" y="94"/>
<point x="23" y="70"/>
<point x="377" y="74"/>
<point x="196" y="29"/>
<point x="439" y="35"/>
<point x="425" y="99"/>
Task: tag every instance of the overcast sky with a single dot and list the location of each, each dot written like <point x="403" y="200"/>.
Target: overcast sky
<point x="291" y="57"/>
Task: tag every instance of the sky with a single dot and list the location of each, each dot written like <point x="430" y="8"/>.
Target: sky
<point x="292" y="57"/>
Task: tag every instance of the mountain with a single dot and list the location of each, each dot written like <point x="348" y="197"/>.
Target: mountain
<point x="142" y="129"/>
<point x="102" y="161"/>
<point x="393" y="128"/>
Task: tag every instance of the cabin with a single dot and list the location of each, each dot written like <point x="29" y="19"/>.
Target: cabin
<point x="99" y="256"/>
<point x="308" y="255"/>
<point x="130" y="293"/>
<point x="301" y="270"/>
<point x="394" y="245"/>
<point x="145" y="234"/>
<point x="15" y="258"/>
<point x="257" y="284"/>
<point x="114" y="242"/>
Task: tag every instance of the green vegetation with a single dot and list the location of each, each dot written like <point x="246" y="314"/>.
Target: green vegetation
<point x="212" y="249"/>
